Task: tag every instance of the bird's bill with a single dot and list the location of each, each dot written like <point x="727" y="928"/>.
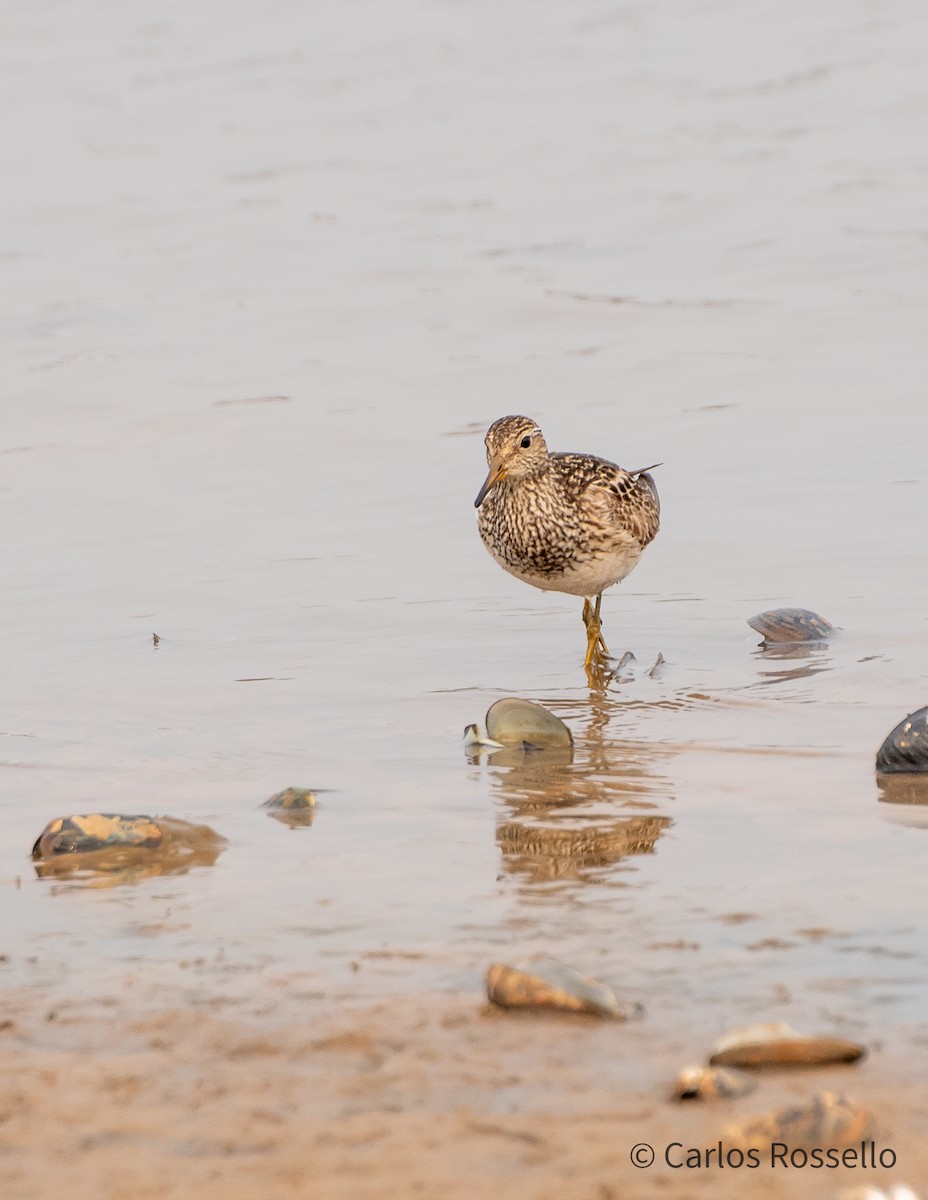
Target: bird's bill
<point x="496" y="473"/>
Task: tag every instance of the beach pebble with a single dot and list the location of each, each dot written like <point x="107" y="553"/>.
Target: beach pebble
<point x="711" y="1083"/>
<point x="791" y="625"/>
<point x="905" y="750"/>
<point x="543" y="983"/>
<point x="826" y="1120"/>
<point x="778" y="1045"/>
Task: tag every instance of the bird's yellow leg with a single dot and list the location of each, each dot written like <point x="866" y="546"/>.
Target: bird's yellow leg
<point x="596" y="648"/>
<point x="599" y="625"/>
<point x="592" y="621"/>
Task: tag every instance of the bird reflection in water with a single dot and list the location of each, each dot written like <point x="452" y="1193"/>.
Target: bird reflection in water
<point x="561" y="821"/>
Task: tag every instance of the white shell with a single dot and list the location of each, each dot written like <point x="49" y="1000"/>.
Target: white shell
<point x="472" y="738"/>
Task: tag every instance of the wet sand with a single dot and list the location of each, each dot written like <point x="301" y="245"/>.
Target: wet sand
<point x="433" y="1096"/>
<point x="266" y="283"/>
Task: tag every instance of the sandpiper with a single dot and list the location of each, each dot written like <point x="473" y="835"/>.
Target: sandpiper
<point x="570" y="523"/>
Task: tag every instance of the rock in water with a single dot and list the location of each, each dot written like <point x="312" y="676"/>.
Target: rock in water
<point x="123" y="848"/>
<point x="292" y="799"/>
<point x="295" y="807"/>
<point x="96" y="831"/>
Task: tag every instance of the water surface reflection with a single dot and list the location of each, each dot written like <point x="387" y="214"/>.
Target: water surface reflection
<point x="907" y="796"/>
<point x="560" y="820"/>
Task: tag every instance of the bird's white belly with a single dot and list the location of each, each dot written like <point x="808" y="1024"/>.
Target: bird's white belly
<point x="587" y="578"/>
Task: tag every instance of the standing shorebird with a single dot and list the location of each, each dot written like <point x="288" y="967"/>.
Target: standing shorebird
<point x="570" y="523"/>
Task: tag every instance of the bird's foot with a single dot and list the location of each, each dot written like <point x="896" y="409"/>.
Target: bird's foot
<point x="595" y="663"/>
<point x="591" y="620"/>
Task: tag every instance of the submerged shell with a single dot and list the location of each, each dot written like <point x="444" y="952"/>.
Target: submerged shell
<point x="711" y="1083"/>
<point x="778" y="1045"/>
<point x="96" y="831"/>
<point x="905" y="750"/>
<point x="514" y="722"/>
<point x="541" y="982"/>
<point x="826" y="1120"/>
<point x="791" y="625"/>
<point x="292" y="799"/>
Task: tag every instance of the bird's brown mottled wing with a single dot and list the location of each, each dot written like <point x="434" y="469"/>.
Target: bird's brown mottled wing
<point x="627" y="499"/>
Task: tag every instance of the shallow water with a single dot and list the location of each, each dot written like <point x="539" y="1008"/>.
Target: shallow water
<point x="266" y="284"/>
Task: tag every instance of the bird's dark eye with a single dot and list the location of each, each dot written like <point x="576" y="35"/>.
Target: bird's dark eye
<point x="526" y="442"/>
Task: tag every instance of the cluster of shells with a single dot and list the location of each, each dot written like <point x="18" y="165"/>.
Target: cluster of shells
<point x="905" y="748"/>
<point x="754" y="1048"/>
<point x="736" y="1060"/>
<point x="542" y="984"/>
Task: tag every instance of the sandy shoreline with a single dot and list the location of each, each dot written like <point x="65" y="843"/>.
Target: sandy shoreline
<point x="428" y="1095"/>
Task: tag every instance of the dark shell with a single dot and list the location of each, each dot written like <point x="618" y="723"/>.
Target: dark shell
<point x="791" y="625"/>
<point x="292" y="798"/>
<point x="827" y="1120"/>
<point x="96" y="831"/>
<point x="905" y="750"/>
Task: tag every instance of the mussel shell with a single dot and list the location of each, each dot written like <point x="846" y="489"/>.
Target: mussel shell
<point x="544" y="983"/>
<point x="826" y="1120"/>
<point x="88" y="833"/>
<point x="905" y="750"/>
<point x="712" y="1083"/>
<point x="791" y="625"/>
<point x="297" y="799"/>
<point x="514" y="722"/>
<point x="777" y="1045"/>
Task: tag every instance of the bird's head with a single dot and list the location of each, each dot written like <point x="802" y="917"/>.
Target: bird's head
<point x="515" y="448"/>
